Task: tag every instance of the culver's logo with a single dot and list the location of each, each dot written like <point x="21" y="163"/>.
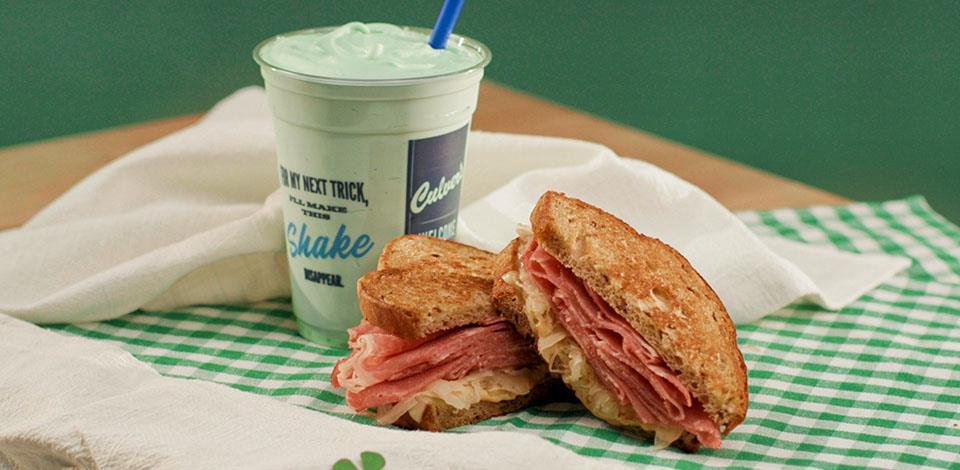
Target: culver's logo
<point x="434" y="177"/>
<point x="426" y="195"/>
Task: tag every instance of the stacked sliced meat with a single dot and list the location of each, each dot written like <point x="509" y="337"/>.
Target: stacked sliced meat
<point x="624" y="362"/>
<point x="384" y="368"/>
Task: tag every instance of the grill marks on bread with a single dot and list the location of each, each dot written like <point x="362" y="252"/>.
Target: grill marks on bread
<point x="424" y="285"/>
<point x="433" y="253"/>
<point x="413" y="303"/>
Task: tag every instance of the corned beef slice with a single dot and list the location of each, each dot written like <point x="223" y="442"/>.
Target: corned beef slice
<point x="384" y="368"/>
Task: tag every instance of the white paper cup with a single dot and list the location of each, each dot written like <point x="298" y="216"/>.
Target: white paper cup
<point x="362" y="162"/>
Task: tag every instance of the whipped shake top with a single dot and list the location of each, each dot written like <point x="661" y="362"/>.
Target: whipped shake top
<point x="368" y="51"/>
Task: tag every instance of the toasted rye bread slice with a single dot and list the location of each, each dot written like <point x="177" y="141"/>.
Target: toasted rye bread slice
<point x="413" y="303"/>
<point x="657" y="291"/>
<point x="440" y="416"/>
<point x="445" y="255"/>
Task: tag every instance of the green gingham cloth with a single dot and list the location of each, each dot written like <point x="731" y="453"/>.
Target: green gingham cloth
<point x="876" y="384"/>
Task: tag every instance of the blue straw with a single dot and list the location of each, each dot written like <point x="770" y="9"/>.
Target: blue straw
<point x="445" y="22"/>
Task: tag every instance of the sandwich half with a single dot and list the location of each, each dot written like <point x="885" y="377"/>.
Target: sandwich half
<point x="431" y="352"/>
<point x="626" y="322"/>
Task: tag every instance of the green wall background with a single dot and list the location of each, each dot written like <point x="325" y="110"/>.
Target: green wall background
<point x="860" y="98"/>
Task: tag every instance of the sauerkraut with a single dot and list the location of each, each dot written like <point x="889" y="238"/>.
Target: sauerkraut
<point x="484" y="385"/>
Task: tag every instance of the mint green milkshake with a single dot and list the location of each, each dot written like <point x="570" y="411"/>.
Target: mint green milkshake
<point x="371" y="126"/>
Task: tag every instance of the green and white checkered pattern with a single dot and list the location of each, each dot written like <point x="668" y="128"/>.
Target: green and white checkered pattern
<point x="876" y="384"/>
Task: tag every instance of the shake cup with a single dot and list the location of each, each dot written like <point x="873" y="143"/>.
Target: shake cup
<point x="371" y="126"/>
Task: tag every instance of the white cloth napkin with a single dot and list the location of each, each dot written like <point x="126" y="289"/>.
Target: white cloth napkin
<point x="190" y="219"/>
<point x="182" y="220"/>
<point x="69" y="402"/>
<point x="753" y="276"/>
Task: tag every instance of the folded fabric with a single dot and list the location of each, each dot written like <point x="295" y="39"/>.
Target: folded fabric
<point x="179" y="221"/>
<point x="72" y="402"/>
<point x="195" y="218"/>
<point x="752" y="276"/>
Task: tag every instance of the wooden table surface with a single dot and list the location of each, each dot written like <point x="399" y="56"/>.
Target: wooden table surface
<point x="32" y="175"/>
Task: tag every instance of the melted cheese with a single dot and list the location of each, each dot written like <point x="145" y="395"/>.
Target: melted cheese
<point x="480" y="386"/>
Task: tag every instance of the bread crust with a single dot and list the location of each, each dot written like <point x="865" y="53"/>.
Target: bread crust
<point x="658" y="292"/>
